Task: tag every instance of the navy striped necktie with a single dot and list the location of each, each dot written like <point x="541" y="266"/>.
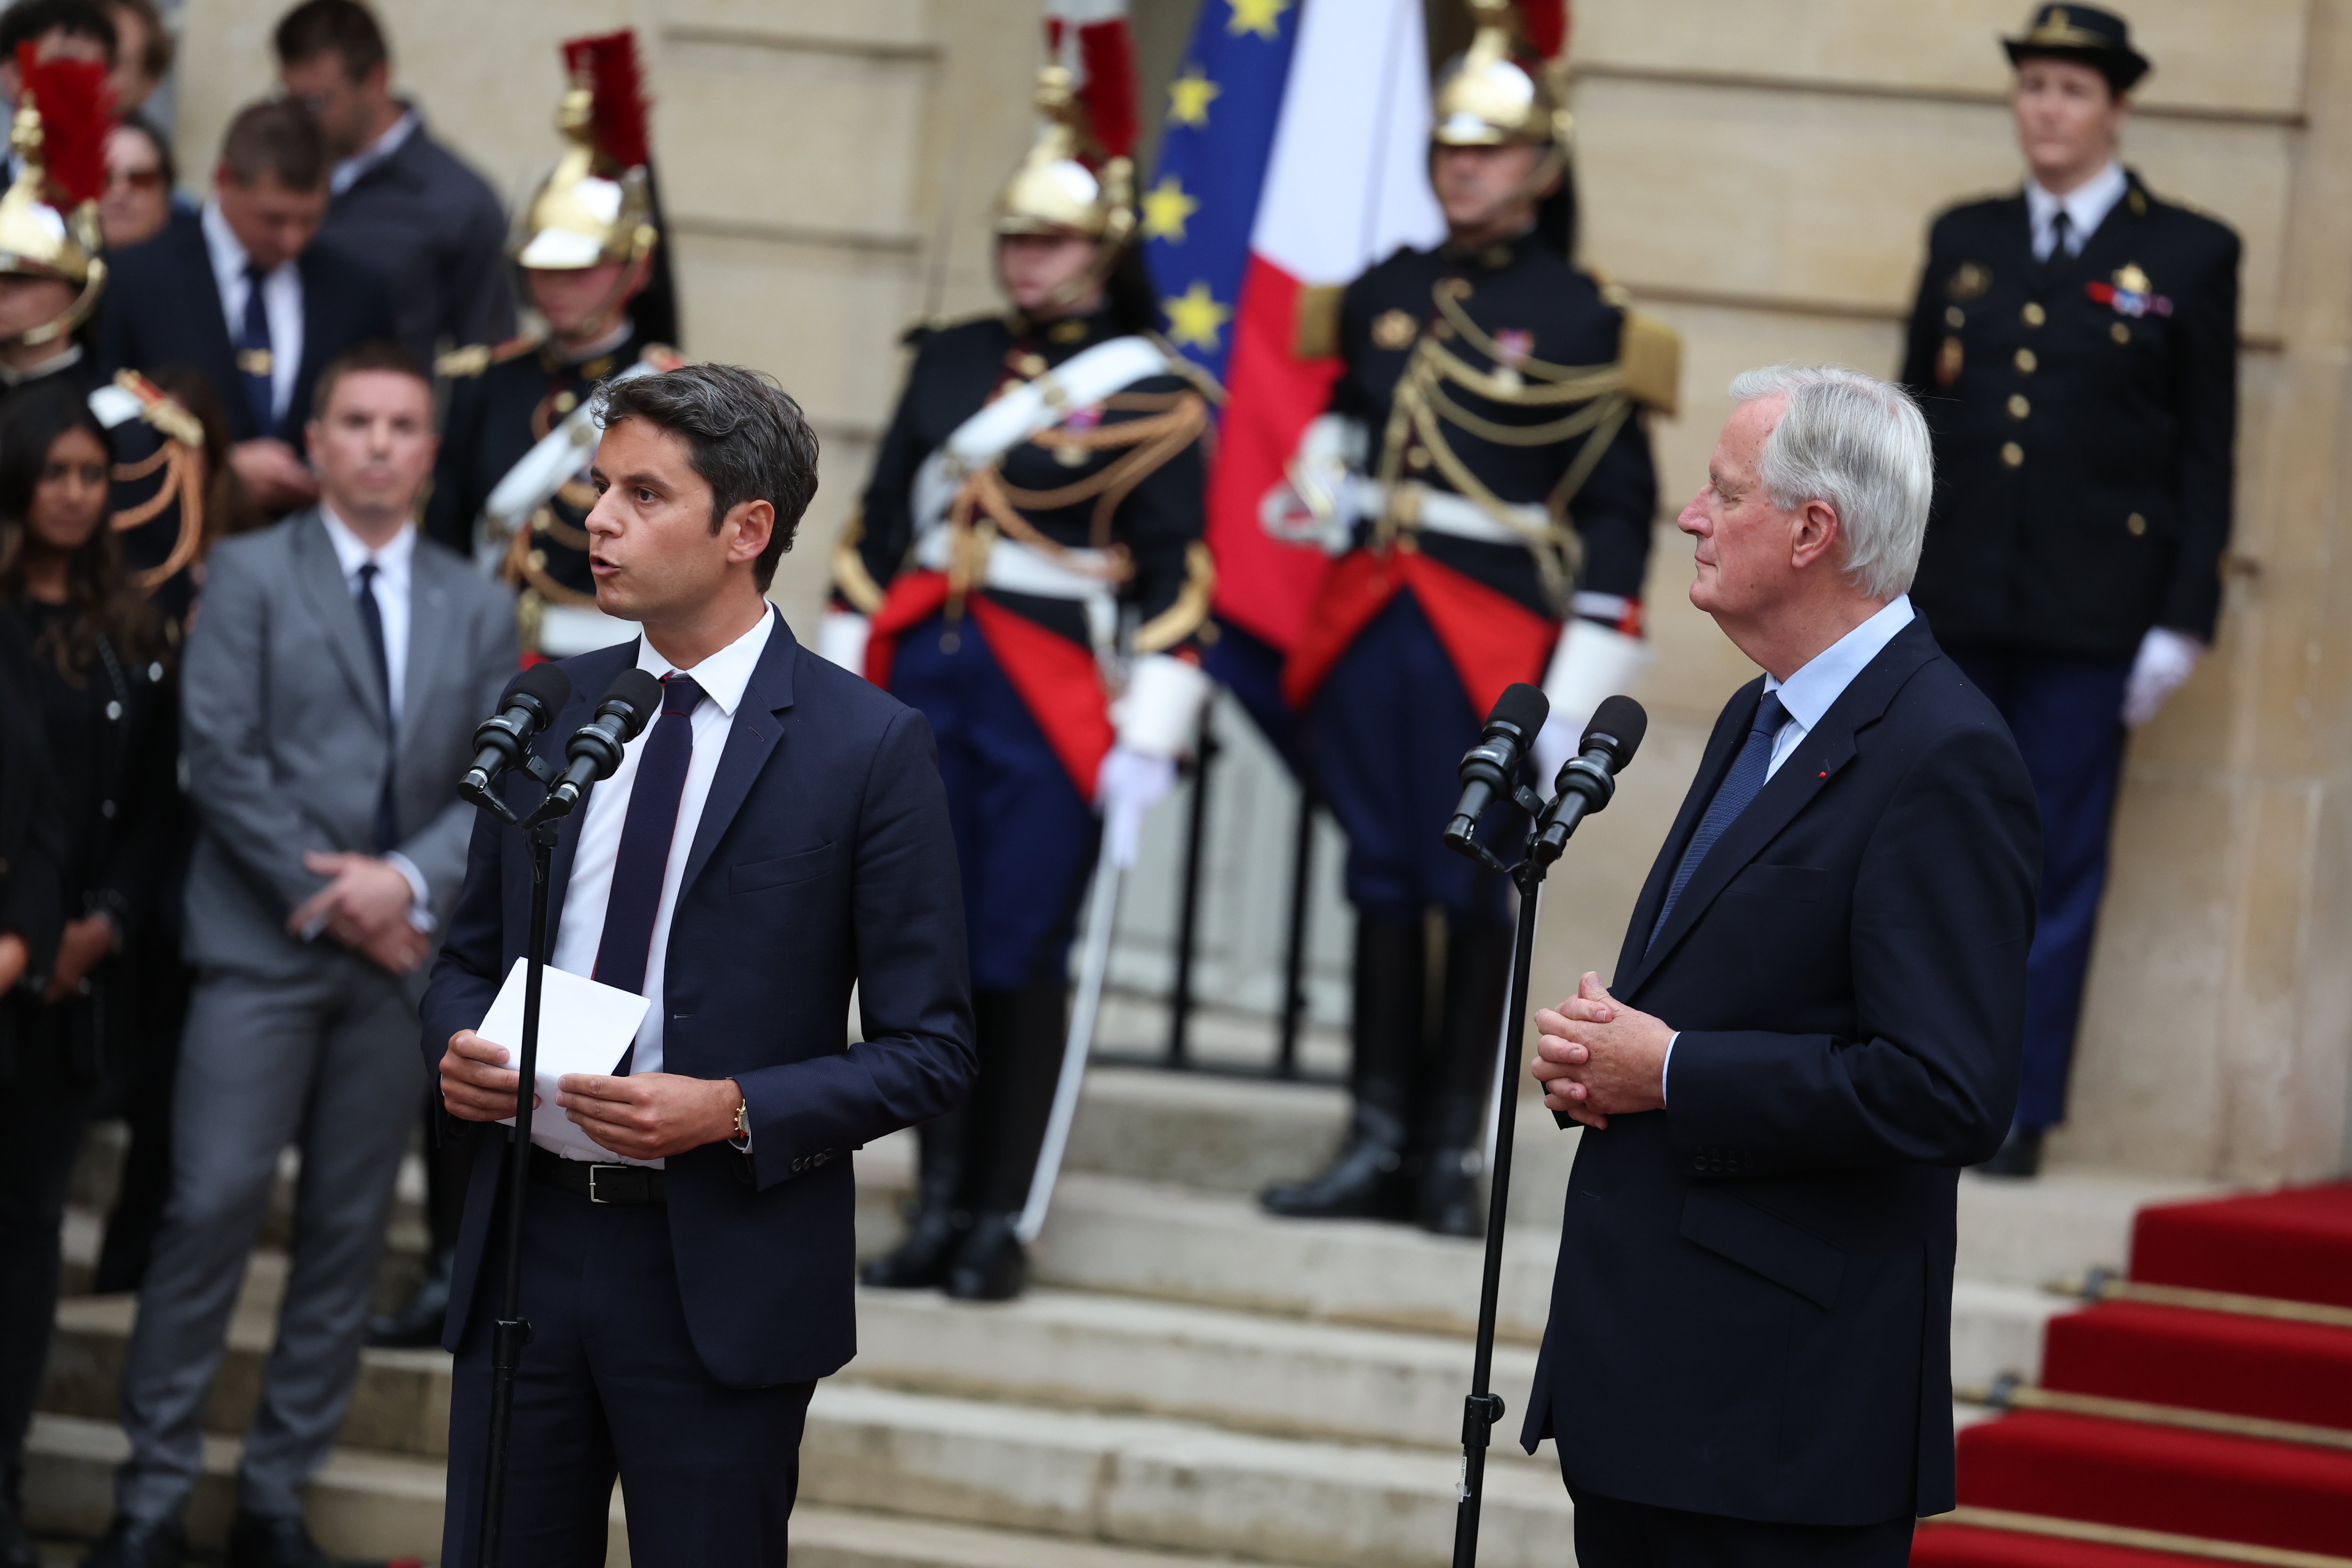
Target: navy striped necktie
<point x="1739" y="786"/>
<point x="625" y="950"/>
<point x="255" y="360"/>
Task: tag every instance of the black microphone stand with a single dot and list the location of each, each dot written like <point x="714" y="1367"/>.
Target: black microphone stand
<point x="1547" y="840"/>
<point x="512" y="1331"/>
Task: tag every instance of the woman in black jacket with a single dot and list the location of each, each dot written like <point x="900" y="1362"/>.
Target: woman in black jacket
<point x="91" y="703"/>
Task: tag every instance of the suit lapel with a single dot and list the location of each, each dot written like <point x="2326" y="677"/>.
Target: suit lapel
<point x="749" y="739"/>
<point x="321" y="576"/>
<point x="1731" y="731"/>
<point x="1827" y="748"/>
<point x="316" y="297"/>
<point x="219" y="353"/>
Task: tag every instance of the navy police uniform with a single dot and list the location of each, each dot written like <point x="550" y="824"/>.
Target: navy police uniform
<point x="1486" y="380"/>
<point x="2083" y="409"/>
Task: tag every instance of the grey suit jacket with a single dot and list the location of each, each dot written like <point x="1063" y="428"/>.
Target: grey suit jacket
<point x="284" y="735"/>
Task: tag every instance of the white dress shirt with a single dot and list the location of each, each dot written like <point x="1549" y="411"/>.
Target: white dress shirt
<point x="281" y="302"/>
<point x="722" y="677"/>
<point x="347" y="172"/>
<point x="395" y="570"/>
<point x="1808" y="695"/>
<point x="2087" y="205"/>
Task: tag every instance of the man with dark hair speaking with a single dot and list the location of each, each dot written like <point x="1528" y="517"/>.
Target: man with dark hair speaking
<point x="1816" y="1022"/>
<point x="776" y="836"/>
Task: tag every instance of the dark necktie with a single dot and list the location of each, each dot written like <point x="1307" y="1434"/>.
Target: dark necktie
<point x="387" y="828"/>
<point x="626" y="946"/>
<point x="2061" y="230"/>
<point x="255" y="361"/>
<point x="1739" y="786"/>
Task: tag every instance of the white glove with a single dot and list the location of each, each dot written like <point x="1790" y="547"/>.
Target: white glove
<point x="1320" y="495"/>
<point x="1130" y="784"/>
<point x="842" y="637"/>
<point x="1590" y="663"/>
<point x="2166" y="660"/>
<point x="1158" y="714"/>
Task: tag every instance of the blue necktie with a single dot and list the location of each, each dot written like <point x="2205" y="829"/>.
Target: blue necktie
<point x="255" y="361"/>
<point x="627" y="947"/>
<point x="387" y="829"/>
<point x="1739" y="786"/>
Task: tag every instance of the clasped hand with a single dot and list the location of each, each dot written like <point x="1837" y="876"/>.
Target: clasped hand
<point x="365" y="907"/>
<point x="645" y="1116"/>
<point x="1598" y="1058"/>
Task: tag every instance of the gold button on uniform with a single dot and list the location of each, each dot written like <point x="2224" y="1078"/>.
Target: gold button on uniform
<point x="2120" y="332"/>
<point x="2018" y="408"/>
<point x="2026" y="362"/>
<point x="2034" y="313"/>
<point x="2136" y="523"/>
<point x="1955" y="317"/>
<point x="1031" y="365"/>
<point x="2011" y="452"/>
<point x="565" y="402"/>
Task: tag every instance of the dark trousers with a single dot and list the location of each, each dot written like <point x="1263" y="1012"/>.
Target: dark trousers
<point x="1612" y="1534"/>
<point x="43" y="1106"/>
<point x="2064" y="714"/>
<point x="610" y="1383"/>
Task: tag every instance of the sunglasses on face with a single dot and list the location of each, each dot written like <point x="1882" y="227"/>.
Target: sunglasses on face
<point x="143" y="180"/>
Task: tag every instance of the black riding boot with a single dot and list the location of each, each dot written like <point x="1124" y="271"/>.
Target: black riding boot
<point x="1367" y="1178"/>
<point x="1021" y="1033"/>
<point x="933" y="1221"/>
<point x="1451" y="1139"/>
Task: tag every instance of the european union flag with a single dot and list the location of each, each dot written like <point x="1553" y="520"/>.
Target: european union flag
<point x="1201" y="203"/>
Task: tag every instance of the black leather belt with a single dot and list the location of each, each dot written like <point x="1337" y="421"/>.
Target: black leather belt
<point x="596" y="1183"/>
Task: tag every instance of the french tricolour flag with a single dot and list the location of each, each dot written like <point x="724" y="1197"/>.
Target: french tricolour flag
<point x="1294" y="154"/>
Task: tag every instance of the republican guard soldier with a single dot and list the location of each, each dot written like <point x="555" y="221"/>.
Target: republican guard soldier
<point x="510" y="489"/>
<point x="1027" y="570"/>
<point x="2074" y="348"/>
<point x="1484" y="475"/>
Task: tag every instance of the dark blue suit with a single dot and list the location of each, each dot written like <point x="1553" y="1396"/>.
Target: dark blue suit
<point x="1751" y="1317"/>
<point x="162" y="307"/>
<point x="823" y="860"/>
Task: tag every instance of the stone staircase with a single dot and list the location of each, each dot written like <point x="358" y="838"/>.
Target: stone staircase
<point x="1190" y="1379"/>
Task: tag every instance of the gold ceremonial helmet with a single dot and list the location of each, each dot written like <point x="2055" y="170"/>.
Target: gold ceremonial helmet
<point x="1496" y="94"/>
<point x="48" y="219"/>
<point x="596" y="206"/>
<point x="1057" y="189"/>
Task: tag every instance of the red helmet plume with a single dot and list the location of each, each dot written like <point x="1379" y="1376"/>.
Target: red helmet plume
<point x="76" y="110"/>
<point x="608" y="63"/>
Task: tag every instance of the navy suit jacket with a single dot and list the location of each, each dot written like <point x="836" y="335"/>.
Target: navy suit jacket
<point x="162" y="307"/>
<point x="823" y="860"/>
<point x="1752" y="1311"/>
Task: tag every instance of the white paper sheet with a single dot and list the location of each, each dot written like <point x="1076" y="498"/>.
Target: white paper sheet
<point x="583" y="1027"/>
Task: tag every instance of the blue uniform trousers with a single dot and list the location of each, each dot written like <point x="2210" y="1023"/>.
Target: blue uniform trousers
<point x="1391" y="723"/>
<point x="1251" y="668"/>
<point x="2066" y="715"/>
<point x="1024" y="837"/>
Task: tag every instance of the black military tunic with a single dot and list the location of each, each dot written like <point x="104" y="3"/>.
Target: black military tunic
<point x="1158" y="521"/>
<point x="1531" y="303"/>
<point x="2082" y="412"/>
<point x="502" y="402"/>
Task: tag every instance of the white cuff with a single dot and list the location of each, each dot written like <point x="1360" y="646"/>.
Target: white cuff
<point x="1667" y="1065"/>
<point x="1591" y="662"/>
<point x="1158" y="714"/>
<point x="842" y="637"/>
<point x="420" y="896"/>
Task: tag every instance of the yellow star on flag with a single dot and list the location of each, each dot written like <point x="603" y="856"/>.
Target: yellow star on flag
<point x="1256" y="17"/>
<point x="1165" y="208"/>
<point x="1188" y="97"/>
<point x="1194" y="318"/>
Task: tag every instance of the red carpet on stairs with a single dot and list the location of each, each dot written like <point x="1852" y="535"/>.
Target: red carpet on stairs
<point x="2254" y="1492"/>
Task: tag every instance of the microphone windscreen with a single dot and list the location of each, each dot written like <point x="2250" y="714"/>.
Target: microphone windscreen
<point x="1622" y="722"/>
<point x="641" y="691"/>
<point x="1523" y="705"/>
<point x="548" y="683"/>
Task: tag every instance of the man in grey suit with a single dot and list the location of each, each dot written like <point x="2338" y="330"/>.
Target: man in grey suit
<point x="338" y="666"/>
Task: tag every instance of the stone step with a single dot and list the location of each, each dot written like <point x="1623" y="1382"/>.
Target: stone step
<point x="847" y="1537"/>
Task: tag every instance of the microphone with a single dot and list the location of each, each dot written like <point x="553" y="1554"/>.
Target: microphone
<point x="1488" y="768"/>
<point x="1587" y="782"/>
<point x="504" y="739"/>
<point x="594" y="750"/>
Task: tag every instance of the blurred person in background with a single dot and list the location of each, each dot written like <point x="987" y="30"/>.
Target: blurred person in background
<point x="140" y="179"/>
<point x="431" y="225"/>
<point x="333" y="680"/>
<point x="246" y="294"/>
<point x="143" y="48"/>
<point x="2074" y="348"/>
<point x="99" y="668"/>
